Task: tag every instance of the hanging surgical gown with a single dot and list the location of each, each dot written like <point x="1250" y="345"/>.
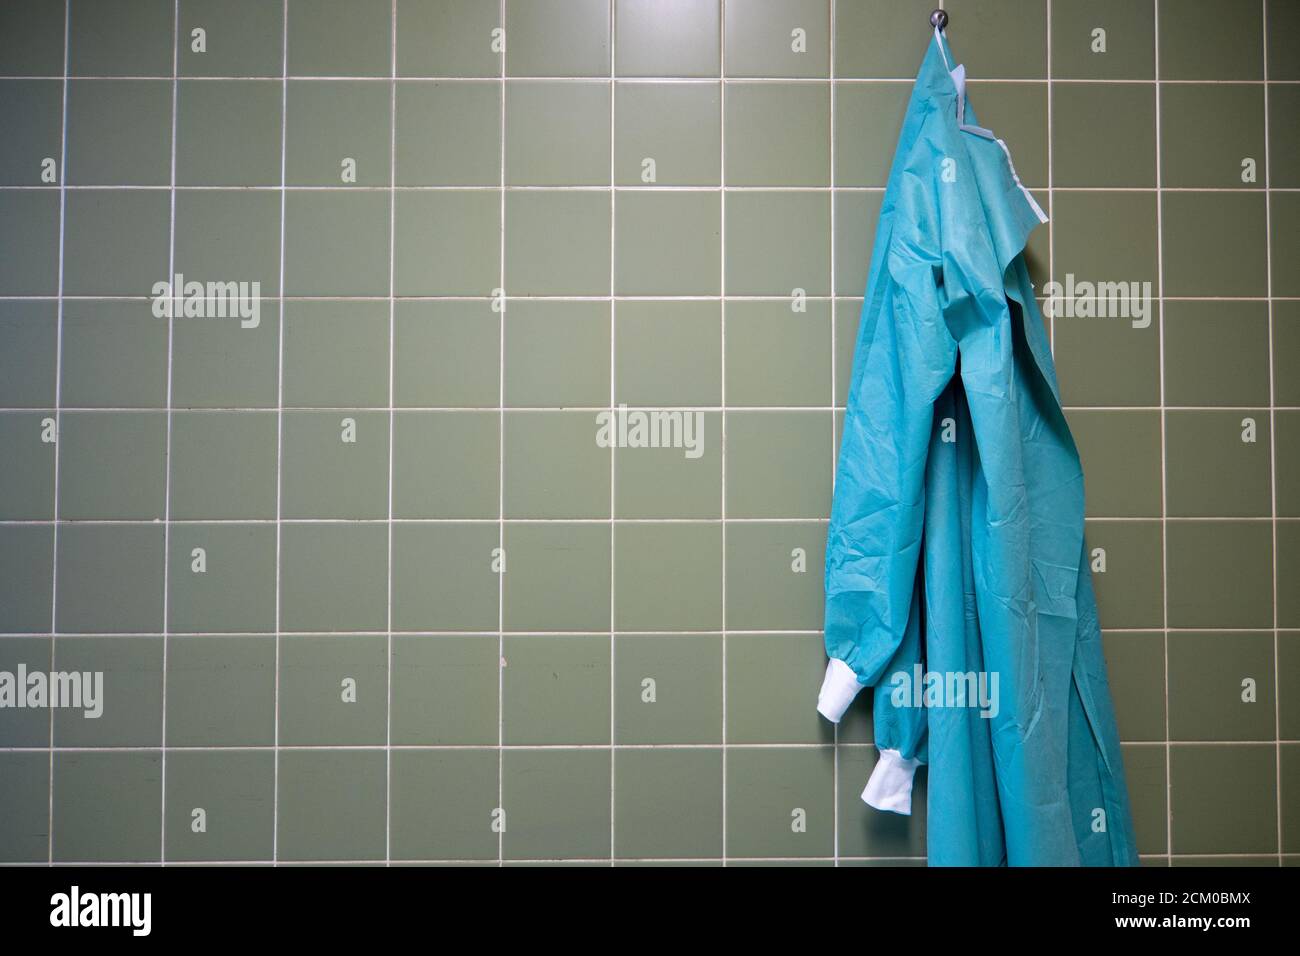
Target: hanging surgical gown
<point x="957" y="579"/>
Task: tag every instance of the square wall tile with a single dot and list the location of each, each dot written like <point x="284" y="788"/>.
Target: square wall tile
<point x="207" y="154"/>
<point x="223" y="465"/>
<point x="1286" y="425"/>
<point x="229" y="236"/>
<point x="32" y="112"/>
<point x="27" y="468"/>
<point x="771" y="38"/>
<point x="558" y="37"/>
<point x="778" y="134"/>
<point x="336" y="243"/>
<point x="441" y="804"/>
<point x="557" y="133"/>
<point x="31" y="38"/>
<point x="25" y="794"/>
<point x="240" y="38"/>
<point x="1000" y="39"/>
<point x="1288" y="567"/>
<point x="1221" y="686"/>
<point x="110" y="579"/>
<point x="333" y="689"/>
<point x="221" y="691"/>
<point x="1103" y="39"/>
<point x="28" y="727"/>
<point x="446" y="353"/>
<point x="119" y="133"/>
<point x="668" y="803"/>
<point x="1216" y="353"/>
<point x="235" y="790"/>
<point x="222" y="578"/>
<point x="780" y="802"/>
<point x="668" y="577"/>
<point x="1284" y="210"/>
<point x="1112" y="360"/>
<point x="26" y="578"/>
<point x="1017" y="114"/>
<point x="554" y="466"/>
<point x="1218" y="463"/>
<point x="1283" y="138"/>
<point x="867" y="35"/>
<point x="444" y="577"/>
<point x="337" y="133"/>
<point x="444" y="689"/>
<point x="30" y="265"/>
<point x="1224" y="798"/>
<point x="780" y="464"/>
<point x="336" y="354"/>
<point x="96" y="261"/>
<point x="333" y="577"/>
<point x="667" y="134"/>
<point x="667" y="688"/>
<point x="667" y="243"/>
<point x="114" y="355"/>
<point x="862" y="110"/>
<point x="557" y="804"/>
<point x="107" y="807"/>
<point x="668" y="482"/>
<point x="445" y="464"/>
<point x="557" y="577"/>
<point x="315" y="26"/>
<point x="1211" y="40"/>
<point x="1220" y="573"/>
<point x="1212" y="135"/>
<point x="447" y="38"/>
<point x="770" y="679"/>
<point x="557" y="353"/>
<point x="128" y="696"/>
<point x="113" y="465"/>
<point x="1121" y="461"/>
<point x="778" y="242"/>
<point x="856" y="216"/>
<point x="1148" y="787"/>
<point x="1127" y="562"/>
<point x="230" y="363"/>
<point x="425" y="114"/>
<point x="1108" y="137"/>
<point x="28" y="353"/>
<point x="120" y="37"/>
<point x="556" y="689"/>
<point x="777" y="356"/>
<point x="867" y="832"/>
<point x="332" y="805"/>
<point x="1107" y="237"/>
<point x="334" y="464"/>
<point x="677" y="38"/>
<point x="447" y="243"/>
<point x="775" y="574"/>
<point x="668" y="352"/>
<point x="1135" y="666"/>
<point x="1229" y="260"/>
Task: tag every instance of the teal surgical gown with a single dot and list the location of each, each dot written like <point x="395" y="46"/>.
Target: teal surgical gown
<point x="957" y="579"/>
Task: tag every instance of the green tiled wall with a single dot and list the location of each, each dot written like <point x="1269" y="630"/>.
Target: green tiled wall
<point x="639" y="683"/>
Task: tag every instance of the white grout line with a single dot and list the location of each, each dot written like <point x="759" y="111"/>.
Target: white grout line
<point x="613" y="451"/>
<point x="392" y="258"/>
<point x="1164" y="466"/>
<point x="1272" y="432"/>
<point x="58" y="398"/>
<point x="501" y="459"/>
<point x="722" y="352"/>
<point x="279" y="429"/>
<point x="167" y="455"/>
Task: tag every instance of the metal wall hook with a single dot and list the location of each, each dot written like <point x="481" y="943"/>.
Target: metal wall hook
<point x="939" y="19"/>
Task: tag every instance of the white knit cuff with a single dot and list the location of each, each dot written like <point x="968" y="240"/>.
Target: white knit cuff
<point x="839" y="687"/>
<point x="890" y="786"/>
